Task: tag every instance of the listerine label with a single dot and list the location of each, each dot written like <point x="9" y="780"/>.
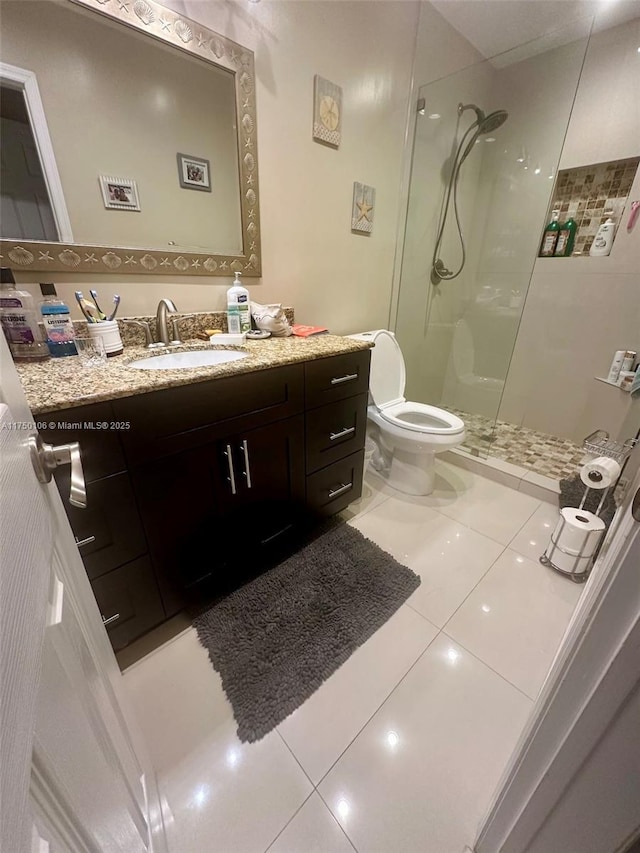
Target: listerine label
<point x="16" y="328"/>
<point x="58" y="327"/>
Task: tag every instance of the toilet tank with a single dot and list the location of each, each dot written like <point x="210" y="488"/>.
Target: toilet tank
<point x="387" y="378"/>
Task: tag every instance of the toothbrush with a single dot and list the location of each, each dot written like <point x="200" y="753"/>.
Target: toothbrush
<point x="94" y="296"/>
<point x="82" y="302"/>
<point x="116" y="302"/>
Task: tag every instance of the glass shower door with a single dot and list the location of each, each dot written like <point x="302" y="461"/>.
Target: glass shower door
<point x="458" y="334"/>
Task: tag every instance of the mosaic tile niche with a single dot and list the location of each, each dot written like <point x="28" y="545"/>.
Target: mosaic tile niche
<point x="591" y="195"/>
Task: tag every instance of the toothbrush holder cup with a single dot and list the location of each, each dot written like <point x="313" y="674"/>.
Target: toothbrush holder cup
<point x="109" y="333"/>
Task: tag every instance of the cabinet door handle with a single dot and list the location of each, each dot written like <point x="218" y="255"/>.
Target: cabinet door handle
<point x="247" y="469"/>
<point x="110" y="619"/>
<point x="344" y="488"/>
<point x="338" y="380"/>
<point x="87" y="541"/>
<point x="336" y="435"/>
<point x="232" y="477"/>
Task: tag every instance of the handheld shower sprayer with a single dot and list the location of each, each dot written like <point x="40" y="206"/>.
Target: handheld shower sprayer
<point x="482" y="125"/>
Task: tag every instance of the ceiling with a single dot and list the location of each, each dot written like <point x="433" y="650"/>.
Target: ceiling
<point x="496" y="26"/>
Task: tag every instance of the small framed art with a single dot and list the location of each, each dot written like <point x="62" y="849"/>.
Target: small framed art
<point x="364" y="200"/>
<point x="119" y="193"/>
<point x="194" y="173"/>
<point x="327" y="112"/>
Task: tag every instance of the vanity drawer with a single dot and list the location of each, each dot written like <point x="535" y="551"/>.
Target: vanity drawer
<point x="100" y="449"/>
<point x="109" y="531"/>
<point x="335" y="378"/>
<point x="335" y="431"/>
<point x="336" y="486"/>
<point x="175" y="419"/>
<point x="129" y="601"/>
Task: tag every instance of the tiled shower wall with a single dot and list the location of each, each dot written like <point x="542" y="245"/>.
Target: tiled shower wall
<point x="592" y="194"/>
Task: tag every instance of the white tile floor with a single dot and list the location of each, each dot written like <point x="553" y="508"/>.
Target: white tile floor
<point x="401" y="749"/>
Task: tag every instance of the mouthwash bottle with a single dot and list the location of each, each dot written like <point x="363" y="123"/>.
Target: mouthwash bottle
<point x="58" y="325"/>
<point x="19" y="320"/>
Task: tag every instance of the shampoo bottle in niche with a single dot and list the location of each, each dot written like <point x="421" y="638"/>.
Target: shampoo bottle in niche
<point x="603" y="241"/>
<point x="566" y="238"/>
<point x="19" y="320"/>
<point x="238" y="307"/>
<point x="58" y="325"/>
<point x="550" y="237"/>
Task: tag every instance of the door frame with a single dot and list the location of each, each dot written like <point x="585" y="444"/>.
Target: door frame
<point x="25" y="81"/>
<point x="595" y="670"/>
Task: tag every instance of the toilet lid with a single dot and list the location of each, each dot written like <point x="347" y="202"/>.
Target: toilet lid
<point x="388" y="374"/>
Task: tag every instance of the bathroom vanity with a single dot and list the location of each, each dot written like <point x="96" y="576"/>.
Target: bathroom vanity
<point x="194" y="481"/>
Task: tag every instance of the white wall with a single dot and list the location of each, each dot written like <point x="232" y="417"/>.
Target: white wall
<point x="579" y="311"/>
<point x="310" y="257"/>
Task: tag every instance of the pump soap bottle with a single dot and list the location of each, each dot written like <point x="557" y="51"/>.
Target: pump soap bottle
<point x="19" y="320"/>
<point x="603" y="241"/>
<point x="238" y="308"/>
<point x="57" y="323"/>
<point x="550" y="237"/>
<point x="566" y="238"/>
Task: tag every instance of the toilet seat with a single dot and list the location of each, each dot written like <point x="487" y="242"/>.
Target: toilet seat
<point x="421" y="418"/>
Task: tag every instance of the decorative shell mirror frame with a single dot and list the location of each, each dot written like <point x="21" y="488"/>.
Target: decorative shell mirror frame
<point x="240" y="127"/>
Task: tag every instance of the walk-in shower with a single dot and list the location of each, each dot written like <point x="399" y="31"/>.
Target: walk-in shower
<point x="490" y="332"/>
<point x="480" y="127"/>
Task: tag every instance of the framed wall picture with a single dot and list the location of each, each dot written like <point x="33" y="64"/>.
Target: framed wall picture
<point x="364" y="200"/>
<point x="327" y="112"/>
<point x="119" y="193"/>
<point x="194" y="173"/>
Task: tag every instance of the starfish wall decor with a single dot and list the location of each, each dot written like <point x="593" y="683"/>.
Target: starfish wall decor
<point x="364" y="199"/>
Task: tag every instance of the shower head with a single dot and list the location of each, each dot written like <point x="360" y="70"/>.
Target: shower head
<point x="492" y="122"/>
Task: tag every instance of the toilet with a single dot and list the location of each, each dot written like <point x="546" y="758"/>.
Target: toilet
<point x="408" y="435"/>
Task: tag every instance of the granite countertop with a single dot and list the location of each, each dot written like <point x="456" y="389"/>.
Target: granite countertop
<point x="63" y="383"/>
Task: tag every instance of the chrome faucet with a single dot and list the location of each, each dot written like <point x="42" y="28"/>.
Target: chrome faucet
<point x="165" y="307"/>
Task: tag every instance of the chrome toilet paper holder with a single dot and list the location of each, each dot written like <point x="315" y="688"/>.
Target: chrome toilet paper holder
<point x="598" y="443"/>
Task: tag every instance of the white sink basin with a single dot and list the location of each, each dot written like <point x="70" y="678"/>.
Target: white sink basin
<point x="192" y="358"/>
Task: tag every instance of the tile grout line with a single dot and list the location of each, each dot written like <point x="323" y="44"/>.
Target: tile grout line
<point x="384" y="701"/>
<point x="488" y="666"/>
<point x="306" y="800"/>
<point x="344" y="831"/>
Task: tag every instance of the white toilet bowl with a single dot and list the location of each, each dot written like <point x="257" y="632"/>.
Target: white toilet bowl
<point x="408" y="434"/>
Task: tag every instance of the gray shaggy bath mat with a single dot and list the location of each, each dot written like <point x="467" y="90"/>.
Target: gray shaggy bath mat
<point x="276" y="639"/>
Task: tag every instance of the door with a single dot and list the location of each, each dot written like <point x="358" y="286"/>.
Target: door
<point x="574" y="780"/>
<point x="74" y="775"/>
<point x="261" y="482"/>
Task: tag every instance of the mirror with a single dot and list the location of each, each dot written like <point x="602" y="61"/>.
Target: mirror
<point x="125" y="152"/>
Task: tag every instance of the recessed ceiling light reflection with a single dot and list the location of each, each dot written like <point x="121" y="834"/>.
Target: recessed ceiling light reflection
<point x="434" y="116"/>
<point x="519" y="559"/>
<point x="232" y="757"/>
<point x="343" y="808"/>
<point x="490" y="139"/>
<point x="537" y="170"/>
<point x="532" y="542"/>
<point x="453" y="655"/>
<point x="486" y="608"/>
<point x="546" y="524"/>
<point x="200" y="796"/>
<point x="392" y="739"/>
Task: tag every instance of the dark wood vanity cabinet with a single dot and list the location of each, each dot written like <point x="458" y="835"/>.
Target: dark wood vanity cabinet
<point x="194" y="486"/>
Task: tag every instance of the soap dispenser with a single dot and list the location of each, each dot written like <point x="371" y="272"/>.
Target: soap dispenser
<point x="238" y="308"/>
<point x="603" y="240"/>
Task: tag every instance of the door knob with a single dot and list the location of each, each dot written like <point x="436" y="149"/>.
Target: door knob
<point x="45" y="458"/>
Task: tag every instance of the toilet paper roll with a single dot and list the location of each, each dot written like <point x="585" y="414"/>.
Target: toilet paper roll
<point x="600" y="473"/>
<point x="574" y="540"/>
